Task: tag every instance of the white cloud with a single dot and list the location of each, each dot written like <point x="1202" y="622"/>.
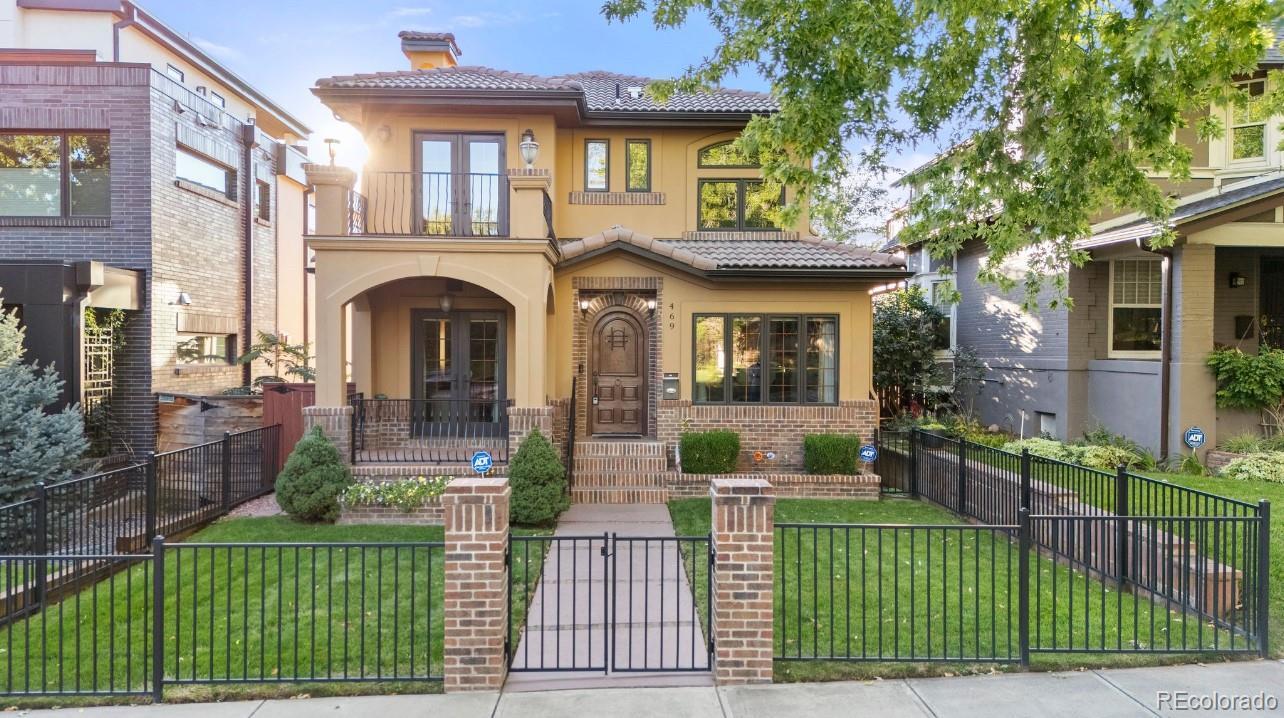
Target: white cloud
<point x="220" y="51"/>
<point x="409" y="12"/>
<point x="484" y="19"/>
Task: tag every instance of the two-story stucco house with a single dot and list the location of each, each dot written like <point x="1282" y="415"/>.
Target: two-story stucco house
<point x="1131" y="355"/>
<point x="139" y="173"/>
<point x="566" y="253"/>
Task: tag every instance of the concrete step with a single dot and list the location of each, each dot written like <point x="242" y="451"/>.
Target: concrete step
<point x="618" y="495"/>
<point x="634" y="479"/>
<point x="619" y="447"/>
<point x="590" y="464"/>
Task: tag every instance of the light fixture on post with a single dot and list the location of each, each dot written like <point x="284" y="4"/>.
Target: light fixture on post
<point x="332" y="144"/>
<point x="530" y="148"/>
<point x="447" y="302"/>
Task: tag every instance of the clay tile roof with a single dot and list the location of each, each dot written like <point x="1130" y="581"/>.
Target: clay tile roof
<point x="415" y="35"/>
<point x="724" y="254"/>
<point x="463" y="77"/>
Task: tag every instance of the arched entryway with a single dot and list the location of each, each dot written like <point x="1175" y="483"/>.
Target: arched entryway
<point x="618" y="381"/>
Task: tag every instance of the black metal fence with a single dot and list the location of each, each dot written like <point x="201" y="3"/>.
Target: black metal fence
<point x="233" y="613"/>
<point x="429" y="430"/>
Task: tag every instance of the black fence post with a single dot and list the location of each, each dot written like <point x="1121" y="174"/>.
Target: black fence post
<point x="1122" y="510"/>
<point x="158" y="618"/>
<point x="151" y="489"/>
<point x="1023" y="579"/>
<point x="1263" y="576"/>
<point x="962" y="506"/>
<point x="227" y="471"/>
<point x="913" y="462"/>
<point x="42" y="541"/>
<point x="1027" y="480"/>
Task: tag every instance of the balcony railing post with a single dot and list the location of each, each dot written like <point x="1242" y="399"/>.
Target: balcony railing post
<point x="1263" y="576"/>
<point x="227" y="471"/>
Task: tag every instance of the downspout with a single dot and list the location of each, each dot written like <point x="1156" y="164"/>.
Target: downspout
<point x="1165" y="346"/>
<point x="129" y="21"/>
<point x="248" y="143"/>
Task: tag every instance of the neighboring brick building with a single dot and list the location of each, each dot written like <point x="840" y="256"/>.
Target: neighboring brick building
<point x="168" y="187"/>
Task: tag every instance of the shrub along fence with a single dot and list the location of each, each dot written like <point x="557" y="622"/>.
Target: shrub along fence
<point x="118" y="512"/>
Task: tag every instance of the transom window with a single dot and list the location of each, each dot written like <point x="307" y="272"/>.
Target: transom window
<point x="637" y="165"/>
<point x="1248" y="123"/>
<point x="1136" y="307"/>
<point x="737" y="204"/>
<point x="597" y="165"/>
<point x="59" y="174"/>
<point x="725" y="154"/>
<point x="773" y="359"/>
<point x="205" y="172"/>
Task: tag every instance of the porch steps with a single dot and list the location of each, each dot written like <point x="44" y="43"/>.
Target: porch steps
<point x="620" y="472"/>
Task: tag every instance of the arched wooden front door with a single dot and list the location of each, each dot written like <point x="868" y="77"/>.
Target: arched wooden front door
<point x="618" y="375"/>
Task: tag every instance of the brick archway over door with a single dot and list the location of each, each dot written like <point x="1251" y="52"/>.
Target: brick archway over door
<point x="604" y="294"/>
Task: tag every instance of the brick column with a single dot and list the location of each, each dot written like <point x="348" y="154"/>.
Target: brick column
<point x="743" y="524"/>
<point x="476" y="602"/>
<point x="335" y="423"/>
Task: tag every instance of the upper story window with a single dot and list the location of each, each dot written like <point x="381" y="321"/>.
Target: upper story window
<point x="218" y="99"/>
<point x="205" y="172"/>
<point x="725" y="154"/>
<point x="737" y="204"/>
<point x="1136" y="307"/>
<point x="263" y="200"/>
<point x="776" y="359"/>
<point x="1248" y="123"/>
<point x="65" y="174"/>
<point x="942" y="297"/>
<point x="597" y="165"/>
<point x="637" y="165"/>
<point x="175" y="74"/>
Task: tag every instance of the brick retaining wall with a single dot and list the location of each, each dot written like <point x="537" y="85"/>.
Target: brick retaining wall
<point x="430" y="515"/>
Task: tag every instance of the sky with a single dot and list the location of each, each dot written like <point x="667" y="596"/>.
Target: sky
<point x="283" y="46"/>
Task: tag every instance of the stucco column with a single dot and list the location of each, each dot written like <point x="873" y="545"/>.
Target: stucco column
<point x="526" y="210"/>
<point x="530" y="355"/>
<point x="331" y="350"/>
<point x="1193" y="390"/>
<point x="362" y="345"/>
<point x="331" y="185"/>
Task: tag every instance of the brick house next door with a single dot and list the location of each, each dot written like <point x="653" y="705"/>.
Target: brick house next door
<point x="618" y="374"/>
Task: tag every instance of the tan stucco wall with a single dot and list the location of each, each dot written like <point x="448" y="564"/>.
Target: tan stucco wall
<point x="673" y="168"/>
<point x="293" y="290"/>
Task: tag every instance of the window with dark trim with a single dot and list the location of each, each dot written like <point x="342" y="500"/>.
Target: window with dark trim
<point x="771" y="359"/>
<point x="725" y="154"/>
<point x="737" y="204"/>
<point x="201" y="170"/>
<point x="175" y="74"/>
<point x="199" y="349"/>
<point x="55" y="174"/>
<point x="637" y="165"/>
<point x="263" y="200"/>
<point x="597" y="165"/>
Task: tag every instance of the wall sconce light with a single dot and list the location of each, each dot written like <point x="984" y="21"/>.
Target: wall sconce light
<point x="384" y="133"/>
<point x="184" y="299"/>
<point x="332" y="144"/>
<point x="530" y="148"/>
<point x="447" y="301"/>
<point x="584" y="306"/>
<point x="1237" y="280"/>
<point x="650" y="305"/>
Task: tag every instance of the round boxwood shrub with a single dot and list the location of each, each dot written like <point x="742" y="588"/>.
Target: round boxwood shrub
<point x="830" y="453"/>
<point x="538" y="480"/>
<point x="314" y="477"/>
<point x="709" y="452"/>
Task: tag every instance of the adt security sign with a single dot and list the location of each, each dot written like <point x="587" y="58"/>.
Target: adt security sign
<point x="868" y="453"/>
<point x="1194" y="437"/>
<point x="482" y="463"/>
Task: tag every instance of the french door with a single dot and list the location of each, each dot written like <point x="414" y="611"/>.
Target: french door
<point x="459" y="185"/>
<point x="458" y="370"/>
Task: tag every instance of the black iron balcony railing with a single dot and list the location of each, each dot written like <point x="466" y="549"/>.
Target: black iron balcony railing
<point x="432" y="204"/>
<point x="429" y="430"/>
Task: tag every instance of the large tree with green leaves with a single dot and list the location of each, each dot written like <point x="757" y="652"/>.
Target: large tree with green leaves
<point x="1054" y="109"/>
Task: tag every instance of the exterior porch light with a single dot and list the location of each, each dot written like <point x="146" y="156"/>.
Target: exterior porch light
<point x="332" y="144"/>
<point x="447" y="302"/>
<point x="584" y="306"/>
<point x="530" y="148"/>
<point x="650" y="305"/>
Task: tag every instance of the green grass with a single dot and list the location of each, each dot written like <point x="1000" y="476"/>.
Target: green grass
<point x="249" y="613"/>
<point x="836" y="602"/>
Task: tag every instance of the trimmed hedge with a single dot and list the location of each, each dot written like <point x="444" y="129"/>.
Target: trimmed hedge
<point x="709" y="452"/>
<point x="830" y="453"/>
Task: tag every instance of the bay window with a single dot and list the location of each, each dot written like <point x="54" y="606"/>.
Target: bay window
<point x="55" y="174"/>
<point x="1136" y="308"/>
<point x="773" y="359"/>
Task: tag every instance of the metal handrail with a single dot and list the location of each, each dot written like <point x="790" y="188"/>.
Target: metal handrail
<point x="435" y="204"/>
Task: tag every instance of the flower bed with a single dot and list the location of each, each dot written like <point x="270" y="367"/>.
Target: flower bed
<point x="405" y="501"/>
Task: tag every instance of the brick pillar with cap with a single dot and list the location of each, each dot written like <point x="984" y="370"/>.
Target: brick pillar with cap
<point x="743" y="524"/>
<point x="476" y="595"/>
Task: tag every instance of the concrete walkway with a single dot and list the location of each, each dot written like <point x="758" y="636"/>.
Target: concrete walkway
<point x="569" y="622"/>
<point x="1095" y="694"/>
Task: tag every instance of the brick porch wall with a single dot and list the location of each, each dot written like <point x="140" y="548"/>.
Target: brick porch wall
<point x="767" y="428"/>
<point x="863" y="487"/>
<point x="430" y="515"/>
<point x="335" y="422"/>
<point x="524" y="419"/>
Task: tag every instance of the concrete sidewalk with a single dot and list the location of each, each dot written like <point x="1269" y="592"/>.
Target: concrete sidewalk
<point x="1085" y="694"/>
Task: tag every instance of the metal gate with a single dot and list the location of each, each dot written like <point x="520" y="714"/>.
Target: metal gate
<point x="609" y="603"/>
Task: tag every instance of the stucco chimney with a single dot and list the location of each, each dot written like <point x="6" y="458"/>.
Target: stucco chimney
<point x="428" y="50"/>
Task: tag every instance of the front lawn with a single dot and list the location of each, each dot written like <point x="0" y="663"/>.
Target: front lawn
<point x="951" y="593"/>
